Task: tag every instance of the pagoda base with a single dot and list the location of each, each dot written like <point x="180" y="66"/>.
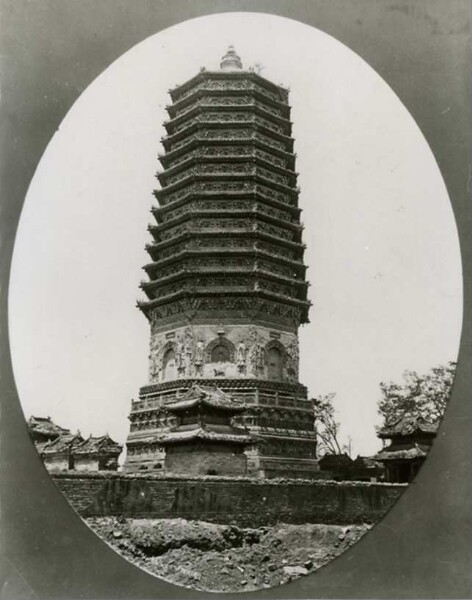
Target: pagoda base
<point x="277" y="415"/>
<point x="270" y="468"/>
<point x="205" y="459"/>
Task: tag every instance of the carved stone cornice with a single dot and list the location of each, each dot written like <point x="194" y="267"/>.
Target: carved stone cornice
<point x="268" y="309"/>
<point x="227" y="384"/>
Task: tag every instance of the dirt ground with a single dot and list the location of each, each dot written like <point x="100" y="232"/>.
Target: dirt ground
<point x="225" y="558"/>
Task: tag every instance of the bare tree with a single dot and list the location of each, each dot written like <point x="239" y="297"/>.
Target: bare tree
<point x="327" y="428"/>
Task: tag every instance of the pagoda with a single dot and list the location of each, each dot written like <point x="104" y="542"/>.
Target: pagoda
<point x="226" y="289"/>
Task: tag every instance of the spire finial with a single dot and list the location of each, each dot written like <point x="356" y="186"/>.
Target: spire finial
<point x="231" y="61"/>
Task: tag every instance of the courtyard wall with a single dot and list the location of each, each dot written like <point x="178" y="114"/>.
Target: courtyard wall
<point x="243" y="501"/>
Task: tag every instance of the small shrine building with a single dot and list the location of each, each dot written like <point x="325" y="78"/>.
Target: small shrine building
<point x="62" y="450"/>
<point x="411" y="439"/>
<point x="97" y="454"/>
<point x="58" y="454"/>
<point x="204" y="437"/>
<point x="43" y="429"/>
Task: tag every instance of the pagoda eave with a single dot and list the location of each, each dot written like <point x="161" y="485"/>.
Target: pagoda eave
<point x="168" y="140"/>
<point x="234" y="159"/>
<point x="198" y="196"/>
<point x="254" y="215"/>
<point x="170" y="157"/>
<point x="144" y="305"/>
<point x="178" y="107"/>
<point x="199" y="109"/>
<point x="181" y="255"/>
<point x="150" y="248"/>
<point x="252" y="274"/>
<point x="231" y="177"/>
<point x="203" y="75"/>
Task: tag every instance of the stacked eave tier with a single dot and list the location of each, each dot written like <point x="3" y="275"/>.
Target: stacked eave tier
<point x="228" y="221"/>
<point x="214" y="103"/>
<point x="201" y="399"/>
<point x="218" y="83"/>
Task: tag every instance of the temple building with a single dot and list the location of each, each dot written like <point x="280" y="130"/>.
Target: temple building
<point x="97" y="454"/>
<point x="58" y="454"/>
<point x="43" y="429"/>
<point x="61" y="450"/>
<point x="205" y="439"/>
<point x="411" y="439"/>
<point x="226" y="289"/>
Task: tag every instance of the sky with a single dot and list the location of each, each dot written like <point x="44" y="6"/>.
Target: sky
<point x="382" y="246"/>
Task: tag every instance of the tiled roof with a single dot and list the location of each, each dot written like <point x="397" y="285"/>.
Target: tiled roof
<point x="204" y="434"/>
<point x="408" y="425"/>
<point x="211" y="396"/>
<point x="95" y="445"/>
<point x="330" y="461"/>
<point x="366" y="462"/>
<point x="416" y="451"/>
<point x="62" y="443"/>
<point x="40" y="446"/>
<point x="45" y="426"/>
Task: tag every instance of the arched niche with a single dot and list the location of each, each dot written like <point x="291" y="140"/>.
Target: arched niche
<point x="275" y="358"/>
<point x="169" y="363"/>
<point x="220" y="350"/>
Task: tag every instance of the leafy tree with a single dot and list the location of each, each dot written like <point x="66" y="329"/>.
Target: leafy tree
<point x="418" y="395"/>
<point x="327" y="428"/>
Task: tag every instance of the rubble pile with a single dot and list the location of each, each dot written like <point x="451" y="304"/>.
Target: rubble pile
<point x="225" y="558"/>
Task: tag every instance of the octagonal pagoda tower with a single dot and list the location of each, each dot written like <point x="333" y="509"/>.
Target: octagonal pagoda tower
<point x="226" y="290"/>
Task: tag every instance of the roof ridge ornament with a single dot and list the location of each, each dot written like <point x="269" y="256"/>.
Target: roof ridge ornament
<point x="231" y="60"/>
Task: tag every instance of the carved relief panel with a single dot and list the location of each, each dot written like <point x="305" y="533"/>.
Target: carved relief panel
<point x="211" y="352"/>
<point x="293" y="357"/>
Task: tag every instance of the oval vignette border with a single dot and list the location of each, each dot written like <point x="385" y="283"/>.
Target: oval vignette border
<point x="402" y="41"/>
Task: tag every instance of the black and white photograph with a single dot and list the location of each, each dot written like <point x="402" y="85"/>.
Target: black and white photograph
<point x="235" y="305"/>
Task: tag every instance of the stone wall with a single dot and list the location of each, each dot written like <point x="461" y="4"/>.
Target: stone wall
<point x="80" y="491"/>
<point x="241" y="500"/>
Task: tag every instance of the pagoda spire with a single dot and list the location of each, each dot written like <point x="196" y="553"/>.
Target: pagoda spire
<point x="231" y="61"/>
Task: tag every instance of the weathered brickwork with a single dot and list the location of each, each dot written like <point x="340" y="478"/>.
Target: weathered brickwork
<point x="203" y="461"/>
<point x="242" y="501"/>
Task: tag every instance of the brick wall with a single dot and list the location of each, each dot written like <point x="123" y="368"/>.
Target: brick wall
<point x="243" y="501"/>
<point x="199" y="461"/>
<point x="81" y="492"/>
